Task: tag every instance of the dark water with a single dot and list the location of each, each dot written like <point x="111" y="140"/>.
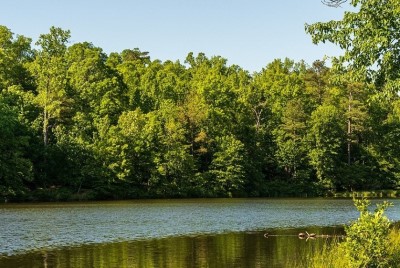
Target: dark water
<point x="172" y="233"/>
<point x="243" y="249"/>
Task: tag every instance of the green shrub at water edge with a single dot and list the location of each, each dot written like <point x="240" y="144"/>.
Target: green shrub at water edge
<point x="369" y="242"/>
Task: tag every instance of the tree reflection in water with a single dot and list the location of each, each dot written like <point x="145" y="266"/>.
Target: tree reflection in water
<point x="245" y="249"/>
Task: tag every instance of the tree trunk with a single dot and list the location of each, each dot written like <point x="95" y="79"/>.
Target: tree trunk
<point x="349" y="131"/>
<point x="45" y="128"/>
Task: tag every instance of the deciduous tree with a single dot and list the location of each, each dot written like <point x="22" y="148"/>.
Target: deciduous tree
<point x="50" y="71"/>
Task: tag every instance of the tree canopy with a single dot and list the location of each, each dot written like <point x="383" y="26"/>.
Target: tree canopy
<point x="77" y="123"/>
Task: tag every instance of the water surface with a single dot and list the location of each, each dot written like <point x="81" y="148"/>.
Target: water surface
<point x="174" y="233"/>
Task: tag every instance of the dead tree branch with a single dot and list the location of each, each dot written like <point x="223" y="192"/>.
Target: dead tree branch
<point x="333" y="3"/>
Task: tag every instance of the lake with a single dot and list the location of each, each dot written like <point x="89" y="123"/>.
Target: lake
<point x="169" y="233"/>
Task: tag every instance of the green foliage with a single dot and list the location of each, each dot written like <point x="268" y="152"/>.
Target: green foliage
<point x="49" y="70"/>
<point x="367" y="243"/>
<point x="326" y="137"/>
<point x="227" y="169"/>
<point x="394" y="245"/>
<point x="15" y="52"/>
<point x="366" y="37"/>
<point x="290" y="138"/>
<point x="175" y="166"/>
<point x="15" y="167"/>
<point x="330" y="256"/>
<point x="369" y="39"/>
<point x="128" y="150"/>
<point x="126" y="126"/>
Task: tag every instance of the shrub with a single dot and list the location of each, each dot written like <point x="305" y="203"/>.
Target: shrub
<point x="367" y="243"/>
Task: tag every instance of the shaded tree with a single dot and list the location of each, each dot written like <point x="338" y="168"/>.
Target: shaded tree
<point x="16" y="168"/>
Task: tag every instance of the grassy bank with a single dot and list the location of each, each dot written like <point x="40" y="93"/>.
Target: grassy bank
<point x="334" y="255"/>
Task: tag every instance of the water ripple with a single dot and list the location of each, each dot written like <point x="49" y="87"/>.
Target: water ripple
<point x="32" y="227"/>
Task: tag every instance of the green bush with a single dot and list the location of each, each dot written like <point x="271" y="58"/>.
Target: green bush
<point x="367" y="243"/>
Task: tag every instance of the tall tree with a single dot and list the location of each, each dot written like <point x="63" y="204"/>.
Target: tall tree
<point x="290" y="138"/>
<point x="227" y="169"/>
<point x="281" y="80"/>
<point x="126" y="151"/>
<point x="50" y="71"/>
<point x="317" y="81"/>
<point x="326" y="142"/>
<point x="131" y="65"/>
<point x="175" y="166"/>
<point x="280" y="83"/>
<point x="369" y="37"/>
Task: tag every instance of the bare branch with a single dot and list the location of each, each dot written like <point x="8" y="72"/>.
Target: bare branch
<point x="333" y="3"/>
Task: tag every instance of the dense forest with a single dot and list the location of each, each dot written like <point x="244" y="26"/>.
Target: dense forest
<point x="77" y="123"/>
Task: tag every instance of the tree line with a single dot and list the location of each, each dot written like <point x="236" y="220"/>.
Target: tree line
<point x="76" y="123"/>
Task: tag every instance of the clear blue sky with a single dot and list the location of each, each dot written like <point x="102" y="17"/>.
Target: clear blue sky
<point x="249" y="33"/>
